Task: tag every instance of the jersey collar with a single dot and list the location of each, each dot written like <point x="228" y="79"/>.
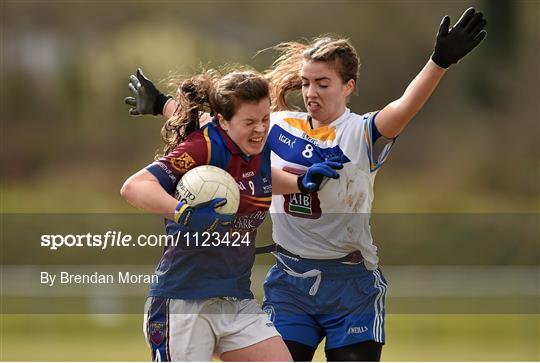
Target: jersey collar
<point x="334" y="123"/>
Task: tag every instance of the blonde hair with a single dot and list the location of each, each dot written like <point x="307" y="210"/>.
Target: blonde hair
<point x="284" y="75"/>
<point x="212" y="91"/>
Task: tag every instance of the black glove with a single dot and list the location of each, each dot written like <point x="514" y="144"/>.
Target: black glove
<point x="147" y="98"/>
<point x="455" y="43"/>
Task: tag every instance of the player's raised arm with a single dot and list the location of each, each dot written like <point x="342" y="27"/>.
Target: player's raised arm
<point x="451" y="45"/>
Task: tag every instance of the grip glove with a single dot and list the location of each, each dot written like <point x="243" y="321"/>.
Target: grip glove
<point x="454" y="43"/>
<point x="146" y="99"/>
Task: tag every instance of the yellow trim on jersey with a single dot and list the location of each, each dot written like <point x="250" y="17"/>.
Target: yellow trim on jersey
<point x="258" y="199"/>
<point x="258" y="204"/>
<point x="208" y="146"/>
<point x="367" y="134"/>
<point x="322" y="133"/>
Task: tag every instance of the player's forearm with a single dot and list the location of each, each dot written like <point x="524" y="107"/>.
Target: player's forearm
<point x="144" y="193"/>
<point x="284" y="182"/>
<point x="169" y="108"/>
<point x="395" y="116"/>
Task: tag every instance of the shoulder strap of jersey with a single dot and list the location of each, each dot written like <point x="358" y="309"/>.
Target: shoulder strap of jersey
<point x="218" y="153"/>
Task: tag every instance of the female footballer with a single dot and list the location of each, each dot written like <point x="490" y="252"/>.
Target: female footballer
<point x="184" y="314"/>
<point x="326" y="282"/>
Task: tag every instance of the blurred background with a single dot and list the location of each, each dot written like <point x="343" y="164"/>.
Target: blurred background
<point x="457" y="202"/>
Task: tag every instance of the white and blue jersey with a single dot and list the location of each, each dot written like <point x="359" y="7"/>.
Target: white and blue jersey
<point x="308" y="296"/>
<point x="334" y="221"/>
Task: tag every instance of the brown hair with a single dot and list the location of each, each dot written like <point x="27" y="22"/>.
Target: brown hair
<point x="213" y="91"/>
<point x="284" y="75"/>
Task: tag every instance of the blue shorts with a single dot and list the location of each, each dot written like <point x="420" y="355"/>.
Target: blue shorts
<point x="310" y="300"/>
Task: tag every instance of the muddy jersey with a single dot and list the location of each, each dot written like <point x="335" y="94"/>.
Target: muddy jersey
<point x="334" y="221"/>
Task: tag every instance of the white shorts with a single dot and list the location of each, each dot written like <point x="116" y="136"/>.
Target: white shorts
<point x="195" y="330"/>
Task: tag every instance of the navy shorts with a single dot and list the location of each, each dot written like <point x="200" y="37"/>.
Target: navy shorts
<point x="310" y="300"/>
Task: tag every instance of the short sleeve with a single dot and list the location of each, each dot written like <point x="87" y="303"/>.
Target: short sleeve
<point x="192" y="152"/>
<point x="378" y="146"/>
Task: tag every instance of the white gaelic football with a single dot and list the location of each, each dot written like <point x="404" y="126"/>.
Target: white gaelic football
<point x="207" y="182"/>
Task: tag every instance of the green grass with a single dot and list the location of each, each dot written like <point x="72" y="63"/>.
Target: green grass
<point x="409" y="338"/>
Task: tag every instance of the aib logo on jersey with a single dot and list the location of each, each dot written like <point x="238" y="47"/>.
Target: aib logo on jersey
<point x="303" y="205"/>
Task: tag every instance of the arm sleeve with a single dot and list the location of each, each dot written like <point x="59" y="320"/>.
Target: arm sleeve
<point x="169" y="169"/>
<point x="378" y="146"/>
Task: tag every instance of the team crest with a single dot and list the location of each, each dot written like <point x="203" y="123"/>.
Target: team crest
<point x="183" y="163"/>
<point x="157" y="332"/>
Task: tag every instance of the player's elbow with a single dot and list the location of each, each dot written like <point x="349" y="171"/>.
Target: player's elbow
<point x="128" y="189"/>
<point x="141" y="185"/>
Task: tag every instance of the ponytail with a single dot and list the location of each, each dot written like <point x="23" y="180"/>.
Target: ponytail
<point x="193" y="97"/>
